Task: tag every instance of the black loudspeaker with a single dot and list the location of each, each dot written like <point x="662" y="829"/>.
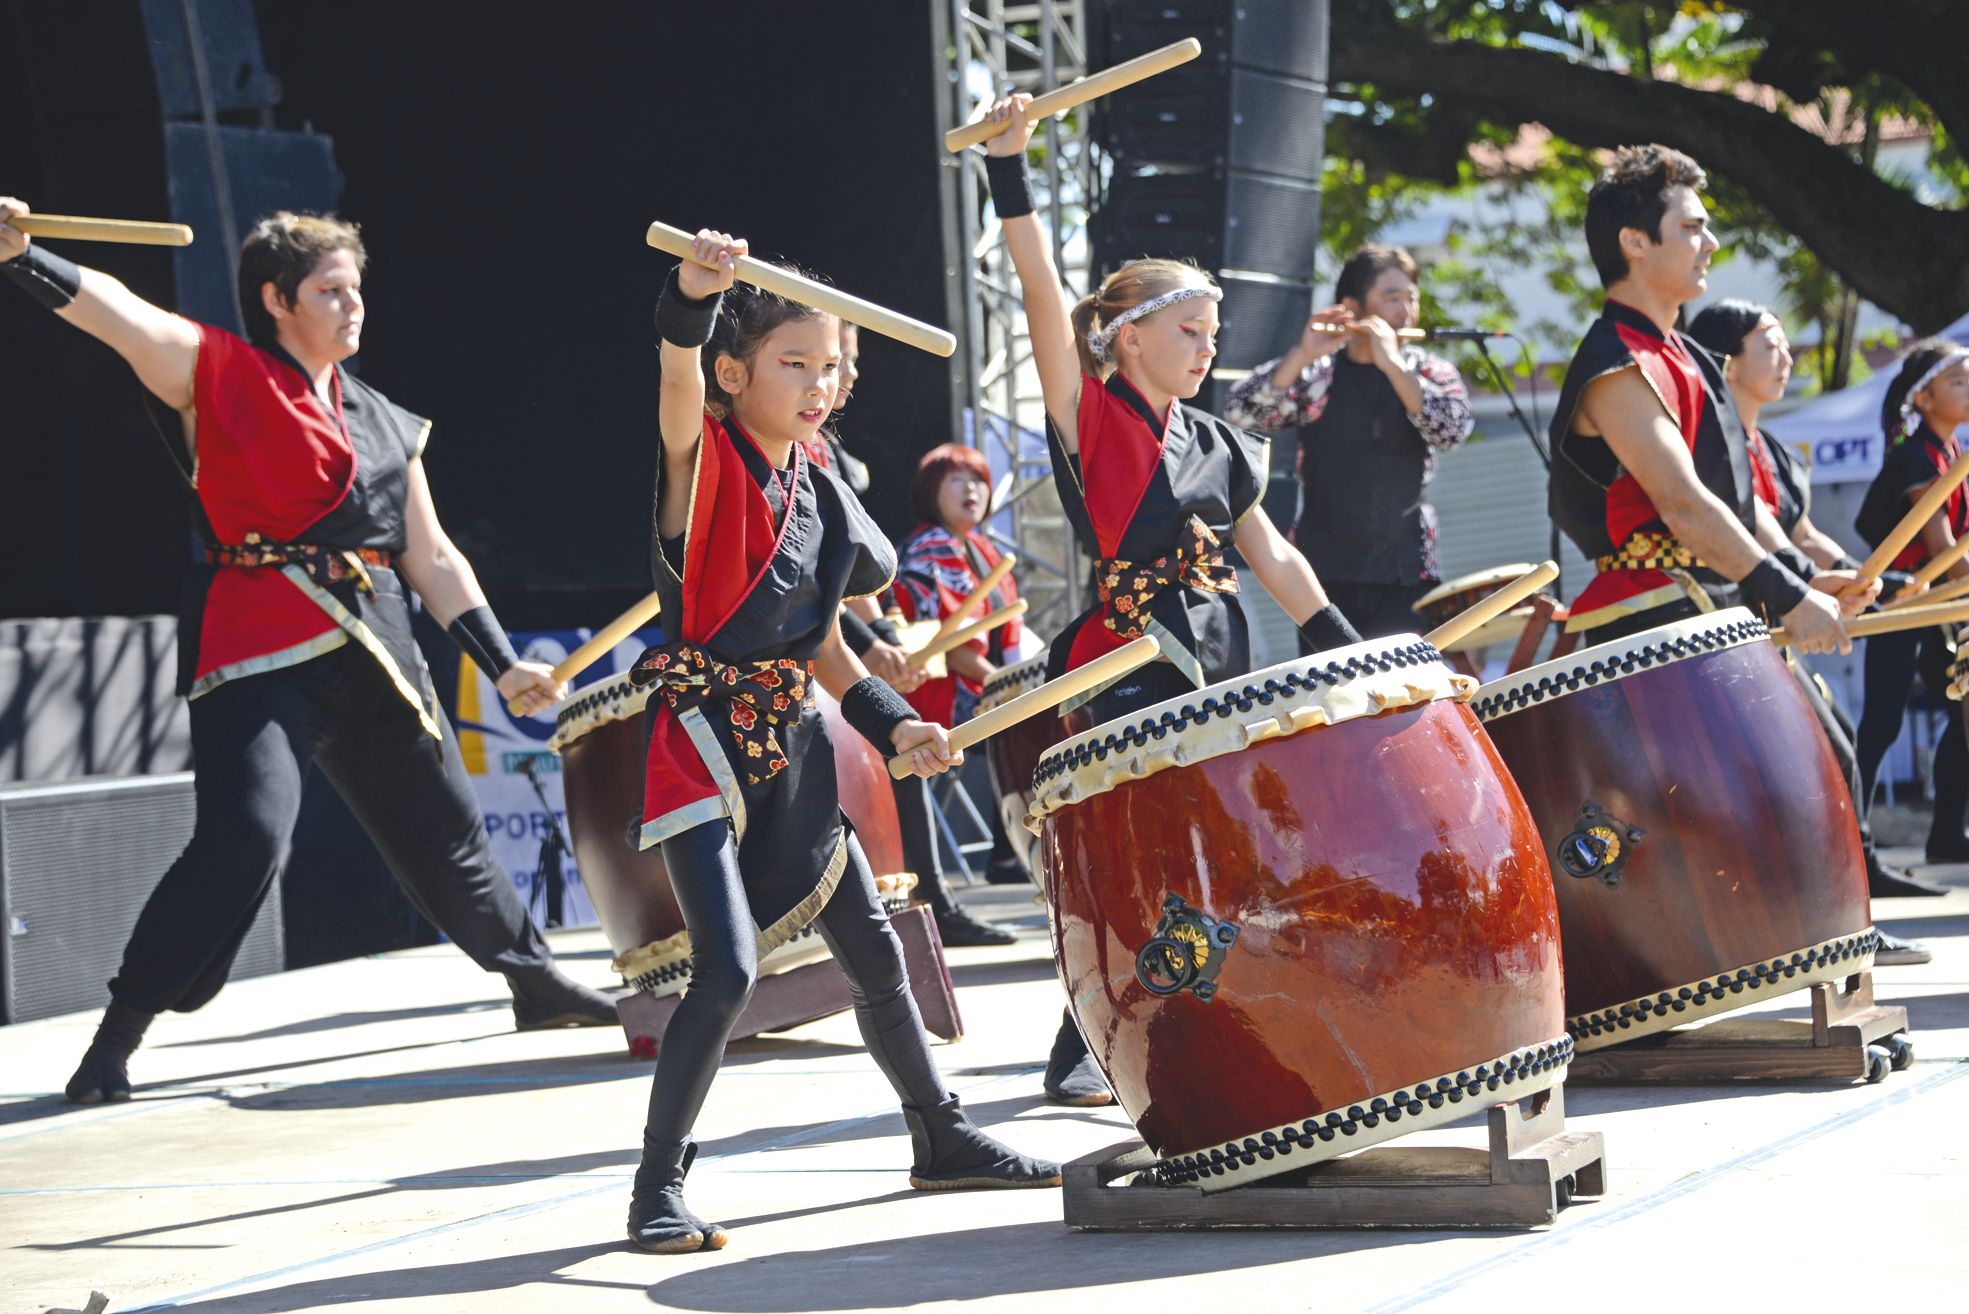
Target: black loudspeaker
<point x="77" y="861"/>
<point x="1219" y="160"/>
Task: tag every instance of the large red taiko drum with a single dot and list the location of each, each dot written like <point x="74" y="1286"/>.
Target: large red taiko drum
<point x="1302" y="912"/>
<point x="603" y="744"/>
<point x="1702" y="835"/>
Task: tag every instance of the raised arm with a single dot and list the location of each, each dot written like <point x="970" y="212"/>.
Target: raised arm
<point x="1625" y="411"/>
<point x="684" y="315"/>
<point x="160" y="346"/>
<point x="1049" y="317"/>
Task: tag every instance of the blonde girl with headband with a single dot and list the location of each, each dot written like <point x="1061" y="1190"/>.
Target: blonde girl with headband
<point x="1156" y="491"/>
<point x="1927" y="401"/>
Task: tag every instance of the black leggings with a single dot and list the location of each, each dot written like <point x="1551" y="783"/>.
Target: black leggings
<point x="1892" y="661"/>
<point x="703" y="866"/>
<point x="253" y="739"/>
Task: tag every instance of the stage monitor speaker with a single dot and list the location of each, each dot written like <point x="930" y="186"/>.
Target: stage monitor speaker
<point x="1287" y="37"/>
<point x="1221" y="220"/>
<point x="77" y="861"/>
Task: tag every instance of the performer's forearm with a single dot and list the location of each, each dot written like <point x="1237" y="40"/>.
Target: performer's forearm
<point x="1706" y="527"/>
<point x="444" y="579"/>
<point x="1280" y="567"/>
<point x="837" y="668"/>
<point x="161" y="347"/>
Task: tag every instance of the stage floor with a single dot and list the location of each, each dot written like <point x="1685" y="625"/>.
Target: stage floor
<point x="373" y="1134"/>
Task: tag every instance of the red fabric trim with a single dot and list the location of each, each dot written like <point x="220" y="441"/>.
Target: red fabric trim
<point x="1119" y="454"/>
<point x="271" y="461"/>
<point x="952" y="578"/>
<point x="1763" y="473"/>
<point x="1916" y="554"/>
<point x="1666" y="365"/>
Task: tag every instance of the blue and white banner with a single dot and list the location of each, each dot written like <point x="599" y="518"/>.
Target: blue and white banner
<point x="500" y="748"/>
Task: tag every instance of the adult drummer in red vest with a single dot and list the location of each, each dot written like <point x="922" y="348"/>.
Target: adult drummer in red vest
<point x="1651" y="471"/>
<point x="295" y="648"/>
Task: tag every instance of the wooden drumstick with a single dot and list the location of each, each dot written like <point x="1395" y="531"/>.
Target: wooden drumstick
<point x="1935" y="567"/>
<point x="605" y="638"/>
<point x="77" y="228"/>
<point x="943" y="643"/>
<point x="1495" y="605"/>
<point x="1892" y="622"/>
<point x="807" y="292"/>
<point x="1081" y="90"/>
<point x="980" y="594"/>
<point x="1946" y="593"/>
<point x="1903" y="534"/>
<point x="1046" y="697"/>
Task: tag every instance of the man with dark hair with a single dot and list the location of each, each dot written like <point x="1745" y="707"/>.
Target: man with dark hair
<point x="295" y="647"/>
<point x="1651" y="472"/>
<point x="1371" y="419"/>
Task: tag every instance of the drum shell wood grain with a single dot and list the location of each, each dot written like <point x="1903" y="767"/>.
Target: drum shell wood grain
<point x="1750" y="847"/>
<point x="603" y="776"/>
<point x="1396" y="923"/>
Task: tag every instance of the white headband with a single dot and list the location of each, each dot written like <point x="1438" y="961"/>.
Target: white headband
<point x="1934" y="372"/>
<point x="1101" y="340"/>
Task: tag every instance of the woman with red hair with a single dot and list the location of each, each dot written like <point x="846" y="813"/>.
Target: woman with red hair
<point x="942" y="560"/>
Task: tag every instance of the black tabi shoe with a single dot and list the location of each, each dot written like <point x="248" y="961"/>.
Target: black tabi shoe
<point x="1884" y="882"/>
<point x="1072" y="1076"/>
<point x="1896" y="952"/>
<point x="1947" y="851"/>
<point x="953" y="1154"/>
<point x="103" y="1076"/>
<point x="959" y="930"/>
<point x="543" y="998"/>
<point x="659" y="1221"/>
<point x="1006" y="871"/>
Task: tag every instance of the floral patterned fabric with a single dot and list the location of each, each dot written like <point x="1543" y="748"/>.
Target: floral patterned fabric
<point x="760" y="697"/>
<point x="323" y="565"/>
<point x="1443" y="422"/>
<point x="1127" y="588"/>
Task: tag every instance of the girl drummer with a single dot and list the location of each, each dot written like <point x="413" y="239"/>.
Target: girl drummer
<point x="1925" y="403"/>
<point x="1153" y="488"/>
<point x="755" y="550"/>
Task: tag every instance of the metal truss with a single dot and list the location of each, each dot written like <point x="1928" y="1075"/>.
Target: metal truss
<point x="985" y="49"/>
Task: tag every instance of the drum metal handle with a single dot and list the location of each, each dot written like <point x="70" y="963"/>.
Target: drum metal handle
<point x="1598" y="847"/>
<point x="1185" y="953"/>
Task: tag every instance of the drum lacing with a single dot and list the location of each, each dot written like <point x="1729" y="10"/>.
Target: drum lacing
<point x="1727" y="635"/>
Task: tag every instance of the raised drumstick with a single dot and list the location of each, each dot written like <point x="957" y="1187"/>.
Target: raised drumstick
<point x="604" y="639"/>
<point x="1495" y="604"/>
<point x="1903" y="534"/>
<point x="943" y="643"/>
<point x="1933" y="569"/>
<point x="76" y="228"/>
<point x="980" y="594"/>
<point x="1080" y="91"/>
<point x="806" y="291"/>
<point x="1047" y="696"/>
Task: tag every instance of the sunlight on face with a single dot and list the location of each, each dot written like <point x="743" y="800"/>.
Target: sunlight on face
<point x="1393" y="298"/>
<point x="1945" y="402"/>
<point x="1676" y="266"/>
<point x="1170" y="351"/>
<point x="786" y="391"/>
<point x="1762" y="366"/>
<point x="325" y="321"/>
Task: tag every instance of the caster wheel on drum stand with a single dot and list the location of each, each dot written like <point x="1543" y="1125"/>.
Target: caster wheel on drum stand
<point x="1563" y="1189"/>
<point x="1900" y="1051"/>
<point x="1878" y="1063"/>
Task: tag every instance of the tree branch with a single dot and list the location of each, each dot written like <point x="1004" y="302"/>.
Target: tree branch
<point x="1905" y="256"/>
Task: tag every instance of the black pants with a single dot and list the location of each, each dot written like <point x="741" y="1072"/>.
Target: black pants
<point x="703" y="866"/>
<point x="253" y="740"/>
<point x="1376" y="610"/>
<point x="1892" y="661"/>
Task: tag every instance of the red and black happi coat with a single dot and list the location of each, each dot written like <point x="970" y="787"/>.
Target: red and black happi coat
<point x="301" y="508"/>
<point x="1157" y="499"/>
<point x="935" y="571"/>
<point x="1604" y="509"/>
<point x="767" y="558"/>
<point x="1913" y="461"/>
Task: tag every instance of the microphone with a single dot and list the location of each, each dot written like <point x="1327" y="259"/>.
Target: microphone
<point x="1464" y="334"/>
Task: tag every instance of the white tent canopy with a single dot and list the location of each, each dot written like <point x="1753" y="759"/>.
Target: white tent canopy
<point x="1840" y="431"/>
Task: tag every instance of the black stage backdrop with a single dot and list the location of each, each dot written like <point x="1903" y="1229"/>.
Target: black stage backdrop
<point x="504" y="161"/>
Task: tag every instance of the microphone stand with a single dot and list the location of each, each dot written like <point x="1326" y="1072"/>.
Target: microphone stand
<point x="1537" y="442"/>
<point x="554" y="847"/>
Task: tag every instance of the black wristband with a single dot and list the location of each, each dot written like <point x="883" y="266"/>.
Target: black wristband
<point x="1327" y="628"/>
<point x="875" y="709"/>
<point x="885" y="630"/>
<point x="682" y="322"/>
<point x="1796" y="562"/>
<point x="1891" y="581"/>
<point x="856" y="633"/>
<point x="1845" y="562"/>
<point x="478" y="635"/>
<point x="1011" y="185"/>
<point x="1773" y="587"/>
<point x="45" y="276"/>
